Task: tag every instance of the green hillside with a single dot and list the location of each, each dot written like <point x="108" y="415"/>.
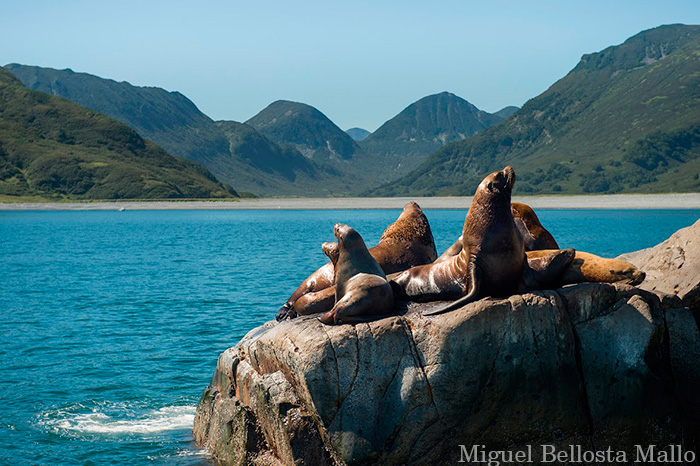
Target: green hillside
<point x="266" y="167"/>
<point x="169" y="119"/>
<point x="420" y="129"/>
<point x="623" y="120"/>
<point x="235" y="153"/>
<point x="306" y="128"/>
<point x="55" y="149"/>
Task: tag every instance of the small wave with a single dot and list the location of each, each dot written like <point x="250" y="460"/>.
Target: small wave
<point x="119" y="419"/>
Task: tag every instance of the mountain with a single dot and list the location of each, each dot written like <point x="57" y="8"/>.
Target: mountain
<point x="424" y="126"/>
<point x="52" y="148"/>
<point x="625" y="119"/>
<point x="358" y="134"/>
<point x="306" y="128"/>
<point x="263" y="166"/>
<point x="235" y="153"/>
<point x="506" y="112"/>
<point x="169" y="119"/>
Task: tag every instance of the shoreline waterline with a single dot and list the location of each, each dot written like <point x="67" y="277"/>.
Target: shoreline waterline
<point x="608" y="201"/>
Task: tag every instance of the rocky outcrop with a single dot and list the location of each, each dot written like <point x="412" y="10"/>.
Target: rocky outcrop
<point x="594" y="365"/>
<point x="673" y="267"/>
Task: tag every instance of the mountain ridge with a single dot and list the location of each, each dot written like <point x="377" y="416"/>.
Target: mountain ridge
<point x="307" y="128"/>
<point x="55" y="149"/>
<point x="424" y="126"/>
<point x="577" y="136"/>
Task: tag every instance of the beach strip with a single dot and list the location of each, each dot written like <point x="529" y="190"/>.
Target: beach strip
<point x="614" y="201"/>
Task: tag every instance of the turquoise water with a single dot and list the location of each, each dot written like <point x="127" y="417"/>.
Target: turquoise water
<point x="112" y="321"/>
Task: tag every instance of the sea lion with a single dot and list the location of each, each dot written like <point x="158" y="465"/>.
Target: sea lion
<point x="405" y="243"/>
<point x="361" y="288"/>
<point x="536" y="236"/>
<point x="587" y="267"/>
<point x="492" y="258"/>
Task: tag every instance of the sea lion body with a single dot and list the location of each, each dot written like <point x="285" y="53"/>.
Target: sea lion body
<point x="586" y="267"/>
<point x="405" y="243"/>
<point x="321" y="279"/>
<point x="535" y="236"/>
<point x="361" y="288"/>
<point x="492" y="258"/>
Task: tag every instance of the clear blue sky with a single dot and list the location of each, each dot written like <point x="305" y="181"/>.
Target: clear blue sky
<point x="358" y="62"/>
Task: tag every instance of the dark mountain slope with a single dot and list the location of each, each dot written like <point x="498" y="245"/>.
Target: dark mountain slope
<point x="55" y="149"/>
<point x="169" y="119"/>
<point x="263" y="166"/>
<point x="623" y="120"/>
<point x="358" y="134"/>
<point x="306" y="128"/>
<point x="507" y="112"/>
<point x="236" y="153"/>
<point x="424" y="126"/>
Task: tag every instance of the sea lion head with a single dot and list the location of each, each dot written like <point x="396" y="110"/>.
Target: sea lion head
<point x="498" y="183"/>
<point x="331" y="250"/>
<point x="347" y="237"/>
<point x="413" y="205"/>
<point x="412" y="226"/>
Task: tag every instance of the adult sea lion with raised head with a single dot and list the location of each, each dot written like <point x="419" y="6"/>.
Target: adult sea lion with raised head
<point x="535" y="236"/>
<point x="492" y="258"/>
<point x="405" y="243"/>
<point x="361" y="288"/>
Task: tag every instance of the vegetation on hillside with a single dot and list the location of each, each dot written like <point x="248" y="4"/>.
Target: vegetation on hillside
<point x="169" y="119"/>
<point x="600" y="129"/>
<point x="55" y="149"/>
<point x="423" y="127"/>
<point x="306" y="128"/>
<point x="263" y="166"/>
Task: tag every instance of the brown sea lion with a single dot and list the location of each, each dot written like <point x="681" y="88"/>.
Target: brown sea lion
<point x="405" y="243"/>
<point x="361" y="288"/>
<point x="587" y="267"/>
<point x="492" y="259"/>
<point x="536" y="237"/>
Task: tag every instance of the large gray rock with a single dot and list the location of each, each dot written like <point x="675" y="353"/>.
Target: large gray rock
<point x="672" y="267"/>
<point x="593" y="364"/>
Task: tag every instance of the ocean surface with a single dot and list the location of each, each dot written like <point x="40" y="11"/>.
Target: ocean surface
<point x="112" y="322"/>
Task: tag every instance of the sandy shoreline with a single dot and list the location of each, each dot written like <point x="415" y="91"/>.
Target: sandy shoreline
<point x="618" y="201"/>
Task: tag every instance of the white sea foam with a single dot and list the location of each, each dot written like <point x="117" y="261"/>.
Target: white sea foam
<point x="109" y="419"/>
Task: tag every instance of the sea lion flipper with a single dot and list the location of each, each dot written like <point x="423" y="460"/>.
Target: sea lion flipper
<point x="547" y="271"/>
<point x="285" y="312"/>
<point x="474" y="281"/>
<point x="315" y="303"/>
